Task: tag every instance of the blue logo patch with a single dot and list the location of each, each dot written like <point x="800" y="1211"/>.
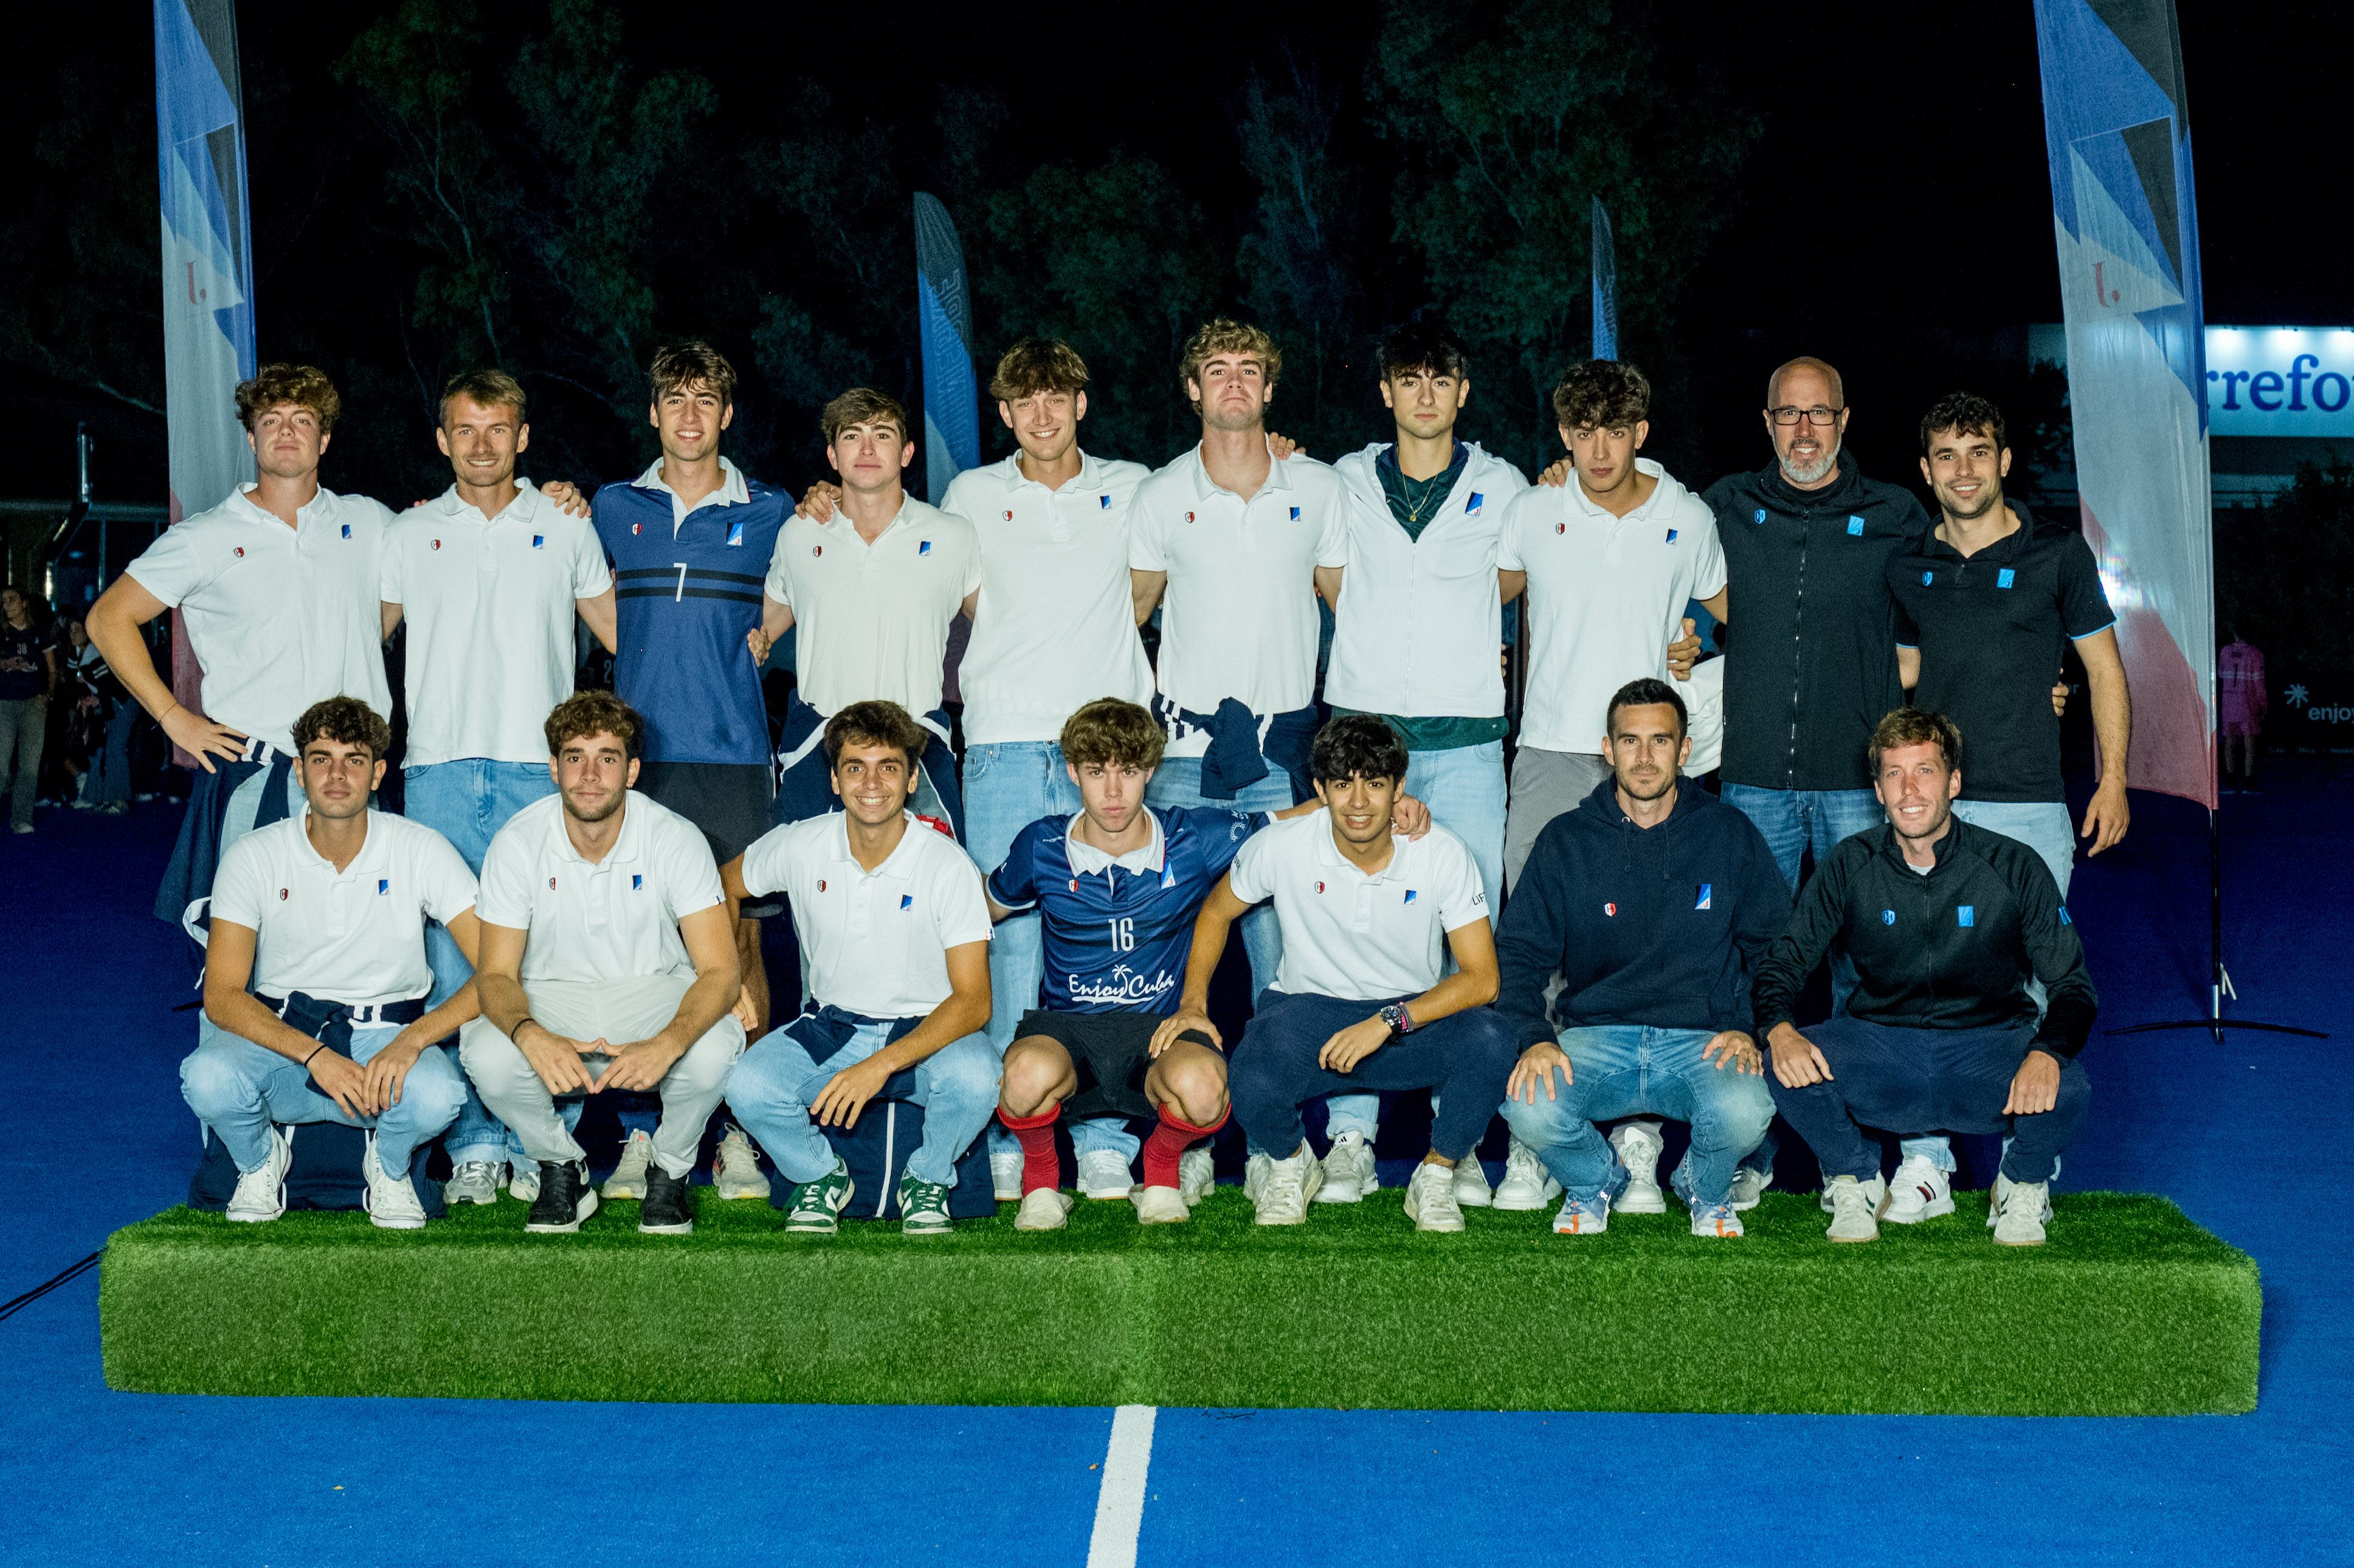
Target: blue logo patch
<point x="383" y="885"/>
<point x="1104" y="502"/>
<point x="1966" y="914"/>
<point x="1888" y="917"/>
<point x="1758" y="515"/>
<point x="735" y="533"/>
<point x="2004" y="577"/>
<point x="924" y="548"/>
<point x="1706" y="890"/>
<point x="636" y="882"/>
<point x="1672" y="536"/>
<point x="538" y="541"/>
<point x="1855" y="528"/>
<point x="2063" y="916"/>
<point x="1409" y="895"/>
<point x="348" y="530"/>
<point x="907" y="901"/>
<point x="1473" y="505"/>
<point x="1295" y="514"/>
<point x="1928" y="578"/>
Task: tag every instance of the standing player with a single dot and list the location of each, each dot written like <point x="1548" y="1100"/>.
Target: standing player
<point x="489" y="577"/>
<point x="607" y="962"/>
<point x="895" y="933"/>
<point x="315" y="978"/>
<point x="277" y="587"/>
<point x="1986" y="600"/>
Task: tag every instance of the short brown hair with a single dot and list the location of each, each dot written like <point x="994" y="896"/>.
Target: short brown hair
<point x="490" y="388"/>
<point x="1225" y="337"/>
<point x="1602" y="395"/>
<point x="1965" y="414"/>
<point x="586" y="713"/>
<point x="863" y="405"/>
<point x="346" y="721"/>
<point x="1902" y="727"/>
<point x="1109" y="733"/>
<point x="305" y="386"/>
<point x="680" y="366"/>
<point x="1038" y="364"/>
<point x="876" y="723"/>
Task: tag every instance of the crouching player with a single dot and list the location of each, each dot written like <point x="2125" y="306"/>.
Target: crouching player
<point x="323" y="915"/>
<point x="893" y="932"/>
<point x="1654" y="901"/>
<point x="1358" y="1002"/>
<point x="607" y="962"/>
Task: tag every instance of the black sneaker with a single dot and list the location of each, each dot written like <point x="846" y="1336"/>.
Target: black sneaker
<point x="667" y="1211"/>
<point x="564" y="1199"/>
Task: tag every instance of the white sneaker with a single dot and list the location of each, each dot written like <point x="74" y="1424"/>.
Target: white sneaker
<point x="1855" y="1208"/>
<point x="2018" y="1211"/>
<point x="628" y="1176"/>
<point x="1103" y="1173"/>
<point x="1160" y="1206"/>
<point x="1046" y="1209"/>
<point x="735" y="1168"/>
<point x="1918" y="1191"/>
<point x="475" y="1181"/>
<point x="1291" y="1187"/>
<point x="1748" y="1186"/>
<point x="1715" y="1220"/>
<point x="1472" y="1189"/>
<point x="523" y="1185"/>
<point x="1434" y="1197"/>
<point x="392" y="1203"/>
<point x="1640" y="1145"/>
<point x="1527" y="1183"/>
<point x="1349" y="1172"/>
<point x="261" y="1194"/>
<point x="1197" y="1173"/>
<point x="1005" y="1173"/>
<point x="1582" y="1216"/>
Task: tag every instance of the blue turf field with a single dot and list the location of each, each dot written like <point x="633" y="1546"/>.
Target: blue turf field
<point x="2244" y="1138"/>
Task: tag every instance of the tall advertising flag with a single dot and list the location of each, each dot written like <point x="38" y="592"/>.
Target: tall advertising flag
<point x="1606" y="286"/>
<point x="2118" y="135"/>
<point x="944" y="315"/>
<point x="207" y="267"/>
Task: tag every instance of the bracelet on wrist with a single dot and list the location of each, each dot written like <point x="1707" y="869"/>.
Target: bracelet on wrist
<point x="314" y="1053"/>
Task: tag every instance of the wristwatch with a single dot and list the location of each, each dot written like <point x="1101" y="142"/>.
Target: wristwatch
<point x="1400" y="1021"/>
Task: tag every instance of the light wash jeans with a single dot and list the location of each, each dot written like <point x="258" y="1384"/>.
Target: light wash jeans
<point x="1464" y="788"/>
<point x="773" y="1084"/>
<point x="1624" y="1070"/>
<point x="2045" y="827"/>
<point x="467" y="802"/>
<point x="240" y="1090"/>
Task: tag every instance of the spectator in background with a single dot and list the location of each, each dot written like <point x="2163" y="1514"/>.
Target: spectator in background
<point x="28" y="678"/>
<point x="2240" y="703"/>
<point x="81" y="717"/>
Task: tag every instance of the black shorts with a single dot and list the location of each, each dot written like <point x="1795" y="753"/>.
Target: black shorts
<point x="1112" y="1052"/>
<point x="728" y="801"/>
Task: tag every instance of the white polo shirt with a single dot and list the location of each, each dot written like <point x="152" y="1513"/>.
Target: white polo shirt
<point x="1056" y="626"/>
<point x="873" y="620"/>
<point x="1606" y="596"/>
<point x="617" y="919"/>
<point x="1419" y="631"/>
<point x="355" y="936"/>
<point x="280" y="617"/>
<point x="1703" y="697"/>
<point x="875" y="941"/>
<point x="1349" y="934"/>
<point x="1239" y="617"/>
<point x="489" y="606"/>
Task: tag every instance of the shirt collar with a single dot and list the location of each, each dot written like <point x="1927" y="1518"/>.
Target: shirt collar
<point x="313" y="858"/>
<point x="626" y="847"/>
<point x="1328" y="852"/>
<point x="1205" y="487"/>
<point x="898" y="864"/>
<point x="732" y="491"/>
<point x="521" y="503"/>
<point x="1584" y="503"/>
<point x="319" y="508"/>
<point x="1086" y="860"/>
<point x="1090" y="477"/>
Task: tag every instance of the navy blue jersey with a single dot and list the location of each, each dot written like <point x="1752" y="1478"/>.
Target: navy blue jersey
<point x="1116" y="939"/>
<point x="686" y="599"/>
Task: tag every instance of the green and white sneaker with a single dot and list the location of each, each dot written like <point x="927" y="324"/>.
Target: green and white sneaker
<point x="923" y="1207"/>
<point x="817" y="1205"/>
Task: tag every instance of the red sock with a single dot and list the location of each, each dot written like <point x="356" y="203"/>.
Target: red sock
<point x="1171" y="1138"/>
<point x="1039" y="1166"/>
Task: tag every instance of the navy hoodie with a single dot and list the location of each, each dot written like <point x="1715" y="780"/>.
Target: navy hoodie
<point x="1658" y="926"/>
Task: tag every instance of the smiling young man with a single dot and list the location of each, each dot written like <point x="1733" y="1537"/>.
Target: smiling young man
<point x="1360" y="1004"/>
<point x="895" y="931"/>
<point x="607" y="962"/>
<point x="489" y="578"/>
<point x="1610" y="562"/>
<point x="277" y="587"/>
<point x="1947" y="923"/>
<point x="315" y="978"/>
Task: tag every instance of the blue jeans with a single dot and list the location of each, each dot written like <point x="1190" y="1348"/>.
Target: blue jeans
<point x="240" y="1089"/>
<point x="467" y="802"/>
<point x="774" y="1082"/>
<point x="2045" y="827"/>
<point x="1464" y="788"/>
<point x="109" y="782"/>
<point x="1792" y="821"/>
<point x="1623" y="1070"/>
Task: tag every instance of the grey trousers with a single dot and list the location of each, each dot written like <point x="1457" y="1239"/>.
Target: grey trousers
<point x="618" y="1011"/>
<point x="23" y="722"/>
<point x="1544" y="785"/>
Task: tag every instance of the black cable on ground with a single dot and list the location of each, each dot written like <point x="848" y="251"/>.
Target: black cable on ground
<point x="16" y="1304"/>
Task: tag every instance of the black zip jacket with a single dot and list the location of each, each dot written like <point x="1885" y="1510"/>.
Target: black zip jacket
<point x="1950" y="949"/>
<point x="1658" y="926"/>
<point x="1814" y="665"/>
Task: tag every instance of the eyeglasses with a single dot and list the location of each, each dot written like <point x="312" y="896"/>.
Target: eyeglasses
<point x="1788" y="416"/>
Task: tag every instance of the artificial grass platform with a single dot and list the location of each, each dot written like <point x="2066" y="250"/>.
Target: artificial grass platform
<point x="2130" y="1310"/>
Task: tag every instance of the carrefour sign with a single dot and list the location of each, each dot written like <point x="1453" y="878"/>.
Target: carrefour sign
<point x="2280" y="381"/>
